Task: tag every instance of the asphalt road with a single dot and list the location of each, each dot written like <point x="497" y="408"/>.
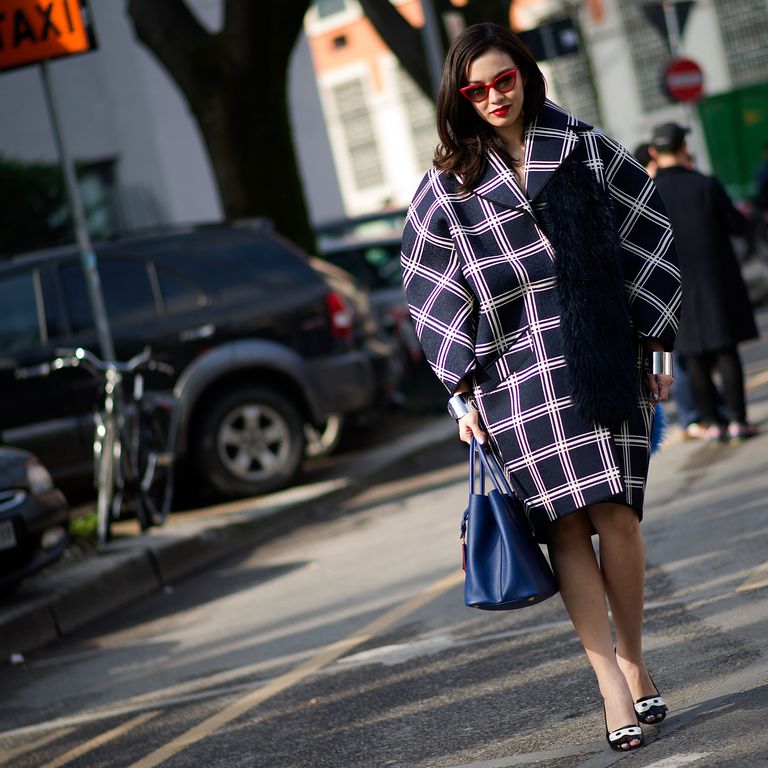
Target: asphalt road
<point x="345" y="643"/>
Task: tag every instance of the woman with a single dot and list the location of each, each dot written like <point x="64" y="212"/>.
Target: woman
<point x="540" y="272"/>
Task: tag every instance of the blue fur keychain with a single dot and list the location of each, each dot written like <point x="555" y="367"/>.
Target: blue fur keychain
<point x="659" y="428"/>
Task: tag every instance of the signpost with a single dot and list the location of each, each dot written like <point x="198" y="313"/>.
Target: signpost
<point x="684" y="80"/>
<point x="35" y="31"/>
<point x="670" y="19"/>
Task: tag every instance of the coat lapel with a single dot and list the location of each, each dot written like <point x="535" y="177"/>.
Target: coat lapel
<point x="548" y="141"/>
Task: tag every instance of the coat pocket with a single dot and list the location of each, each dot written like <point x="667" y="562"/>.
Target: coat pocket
<point x="495" y="373"/>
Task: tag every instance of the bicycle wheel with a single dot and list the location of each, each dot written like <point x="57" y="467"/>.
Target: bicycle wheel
<point x="155" y="456"/>
<point x="104" y="453"/>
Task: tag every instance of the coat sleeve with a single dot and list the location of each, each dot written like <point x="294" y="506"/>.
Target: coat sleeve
<point x="733" y="220"/>
<point x="442" y="306"/>
<point x="651" y="273"/>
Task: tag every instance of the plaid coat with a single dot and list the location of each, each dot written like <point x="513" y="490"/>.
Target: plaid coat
<point x="480" y="275"/>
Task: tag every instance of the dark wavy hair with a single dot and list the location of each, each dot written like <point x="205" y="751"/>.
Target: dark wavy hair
<point x="464" y="137"/>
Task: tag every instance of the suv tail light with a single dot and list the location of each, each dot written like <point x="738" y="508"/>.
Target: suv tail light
<point x="340" y="313"/>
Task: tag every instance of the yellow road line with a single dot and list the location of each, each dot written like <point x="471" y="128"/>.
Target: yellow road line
<point x="100" y="740"/>
<point x="756" y="380"/>
<point x="757" y="579"/>
<point x="6" y="755"/>
<point x="323" y="658"/>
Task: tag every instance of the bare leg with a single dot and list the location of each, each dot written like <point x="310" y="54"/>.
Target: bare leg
<point x="583" y="592"/>
<point x="622" y="563"/>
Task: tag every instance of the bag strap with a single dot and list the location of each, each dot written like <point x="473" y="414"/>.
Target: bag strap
<point x="490" y="464"/>
<point x="473" y="455"/>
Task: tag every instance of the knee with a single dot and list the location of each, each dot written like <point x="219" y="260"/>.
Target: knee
<point x="615" y="520"/>
<point x="570" y="530"/>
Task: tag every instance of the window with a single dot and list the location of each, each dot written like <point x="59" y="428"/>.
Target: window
<point x="649" y="52"/>
<point x="376" y="265"/>
<point x="572" y="80"/>
<point x="127" y="293"/>
<point x="744" y="29"/>
<point x="97" y="183"/>
<point x="179" y="295"/>
<point x="420" y="113"/>
<point x="257" y="264"/>
<point x="357" y="127"/>
<point x="20" y="319"/>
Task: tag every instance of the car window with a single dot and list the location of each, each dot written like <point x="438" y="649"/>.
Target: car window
<point x="265" y="263"/>
<point x="127" y="293"/>
<point x="19" y="318"/>
<point x="179" y="295"/>
<point x="377" y="266"/>
<point x="241" y="264"/>
<point x="385" y="262"/>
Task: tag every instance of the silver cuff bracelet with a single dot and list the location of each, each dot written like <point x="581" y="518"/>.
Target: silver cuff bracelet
<point x="458" y="405"/>
<point x="661" y="362"/>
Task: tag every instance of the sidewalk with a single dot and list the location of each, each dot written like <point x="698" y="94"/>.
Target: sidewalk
<point x="59" y="601"/>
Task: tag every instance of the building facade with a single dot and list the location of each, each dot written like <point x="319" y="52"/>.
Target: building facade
<point x="381" y="126"/>
<point x="364" y="132"/>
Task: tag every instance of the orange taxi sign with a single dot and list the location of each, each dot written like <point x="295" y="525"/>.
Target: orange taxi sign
<point x="34" y="30"/>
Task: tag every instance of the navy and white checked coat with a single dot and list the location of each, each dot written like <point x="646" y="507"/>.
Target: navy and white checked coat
<point x="479" y="274"/>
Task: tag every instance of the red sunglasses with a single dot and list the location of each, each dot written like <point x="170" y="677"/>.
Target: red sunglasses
<point x="503" y="83"/>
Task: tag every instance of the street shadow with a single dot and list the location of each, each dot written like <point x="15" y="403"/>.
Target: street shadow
<point x="515" y="694"/>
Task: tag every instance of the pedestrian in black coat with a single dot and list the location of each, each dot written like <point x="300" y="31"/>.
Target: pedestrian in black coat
<point x="716" y="312"/>
<point x="540" y="272"/>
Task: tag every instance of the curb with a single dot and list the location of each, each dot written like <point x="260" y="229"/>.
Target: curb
<point x="131" y="569"/>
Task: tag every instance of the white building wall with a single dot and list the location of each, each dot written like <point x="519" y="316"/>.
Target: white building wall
<point x="405" y="169"/>
<point x="616" y="77"/>
<point x="394" y="143"/>
<point x="117" y="103"/>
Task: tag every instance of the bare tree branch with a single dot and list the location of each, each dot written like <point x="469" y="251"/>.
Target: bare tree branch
<point x="402" y="39"/>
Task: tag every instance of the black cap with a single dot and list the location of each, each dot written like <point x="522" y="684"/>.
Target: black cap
<point x="668" y="137"/>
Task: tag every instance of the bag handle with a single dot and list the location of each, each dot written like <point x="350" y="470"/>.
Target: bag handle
<point x="490" y="464"/>
<point x="473" y="455"/>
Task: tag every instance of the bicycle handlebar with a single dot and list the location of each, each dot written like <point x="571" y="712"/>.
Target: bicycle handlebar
<point x="72" y="358"/>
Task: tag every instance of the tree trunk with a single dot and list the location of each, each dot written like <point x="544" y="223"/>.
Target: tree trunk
<point x="252" y="153"/>
<point x="235" y="83"/>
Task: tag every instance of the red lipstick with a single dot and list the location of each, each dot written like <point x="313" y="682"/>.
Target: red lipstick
<point x="501" y="111"/>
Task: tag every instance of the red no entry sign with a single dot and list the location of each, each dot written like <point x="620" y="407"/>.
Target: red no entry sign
<point x="684" y="80"/>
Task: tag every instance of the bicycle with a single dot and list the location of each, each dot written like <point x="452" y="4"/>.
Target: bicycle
<point x="134" y="438"/>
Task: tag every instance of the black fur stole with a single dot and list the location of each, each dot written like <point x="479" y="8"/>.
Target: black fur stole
<point x="599" y="343"/>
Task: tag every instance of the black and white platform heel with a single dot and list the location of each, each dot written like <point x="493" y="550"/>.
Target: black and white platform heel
<point x="651" y="710"/>
<point x="623" y="736"/>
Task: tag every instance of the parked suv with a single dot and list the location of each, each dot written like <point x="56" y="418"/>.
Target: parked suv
<point x="262" y="343"/>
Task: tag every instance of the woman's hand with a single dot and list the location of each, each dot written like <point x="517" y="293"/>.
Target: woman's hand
<point x="659" y="384"/>
<point x="469" y="425"/>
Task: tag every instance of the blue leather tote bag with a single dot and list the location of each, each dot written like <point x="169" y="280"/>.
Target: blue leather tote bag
<point x="505" y="567"/>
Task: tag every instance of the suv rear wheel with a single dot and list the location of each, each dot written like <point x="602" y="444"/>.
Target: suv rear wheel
<point x="251" y="441"/>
